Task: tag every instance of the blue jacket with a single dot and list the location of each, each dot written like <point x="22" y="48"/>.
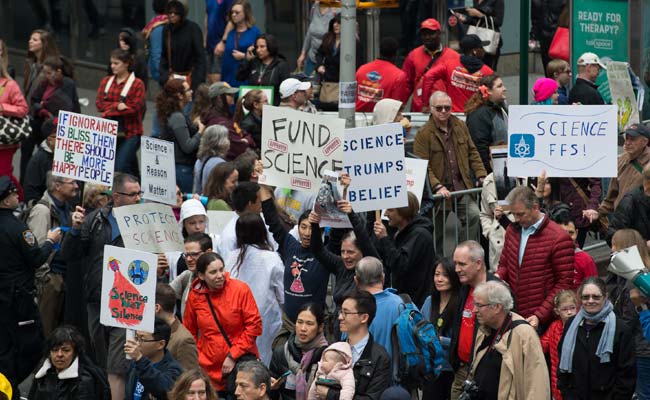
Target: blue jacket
<point x="388" y="309"/>
<point x="155" y="51"/>
<point x="644" y="317"/>
<point x="157" y="379"/>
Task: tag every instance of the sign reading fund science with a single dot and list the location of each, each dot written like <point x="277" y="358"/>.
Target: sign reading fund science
<point x="565" y="141"/>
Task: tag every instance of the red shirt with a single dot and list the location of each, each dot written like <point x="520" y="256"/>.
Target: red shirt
<point x="466" y="334"/>
<point x="414" y="66"/>
<point x="379" y="80"/>
<point x="135" y="101"/>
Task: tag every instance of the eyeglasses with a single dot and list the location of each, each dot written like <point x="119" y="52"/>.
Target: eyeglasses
<point x="596" y="297"/>
<point x="346" y="313"/>
<point x="140" y="193"/>
<point x="479" y="305"/>
<point x="193" y="254"/>
<point x="441" y="108"/>
<point x="142" y="339"/>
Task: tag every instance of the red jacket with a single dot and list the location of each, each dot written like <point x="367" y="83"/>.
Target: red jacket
<point x="547" y="267"/>
<point x="550" y="340"/>
<point x="459" y="83"/>
<point x="584" y="268"/>
<point x="379" y="80"/>
<point x="135" y="101"/>
<point x="238" y="314"/>
<point x="414" y="66"/>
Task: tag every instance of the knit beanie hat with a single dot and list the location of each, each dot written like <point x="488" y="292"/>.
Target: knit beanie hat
<point x="395" y="393"/>
<point x="544" y="88"/>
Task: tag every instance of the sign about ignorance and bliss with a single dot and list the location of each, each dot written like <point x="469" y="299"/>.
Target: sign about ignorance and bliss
<point x="566" y="141"/>
<point x="374" y="159"/>
<point x="85" y="148"/>
<point x="297" y="147"/>
<point x="128" y="289"/>
<point x="149" y="227"/>
<point x="158" y="170"/>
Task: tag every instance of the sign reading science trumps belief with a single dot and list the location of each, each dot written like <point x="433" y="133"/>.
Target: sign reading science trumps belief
<point x="298" y="147"/>
<point x="565" y="141"/>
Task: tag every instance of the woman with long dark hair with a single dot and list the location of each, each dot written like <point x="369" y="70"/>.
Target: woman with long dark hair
<point x="264" y="65"/>
<point x="439" y="308"/>
<point x="192" y="384"/>
<point x="255" y="263"/>
<point x="221" y="182"/>
<point x="128" y="41"/>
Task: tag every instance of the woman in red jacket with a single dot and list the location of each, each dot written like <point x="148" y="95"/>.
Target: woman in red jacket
<point x="214" y="296"/>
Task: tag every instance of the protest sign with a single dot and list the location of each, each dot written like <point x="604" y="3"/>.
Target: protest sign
<point x="149" y="227"/>
<point x="217" y="220"/>
<point x="374" y="159"/>
<point x="620" y="87"/>
<point x="85" y="148"/>
<point x="416" y="173"/>
<point x="503" y="181"/>
<point x="158" y="170"/>
<point x="297" y="147"/>
<point x="566" y="141"/>
<point x="128" y="289"/>
<point x="325" y="204"/>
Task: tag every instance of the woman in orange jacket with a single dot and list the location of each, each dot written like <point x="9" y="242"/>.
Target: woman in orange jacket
<point x="216" y="305"/>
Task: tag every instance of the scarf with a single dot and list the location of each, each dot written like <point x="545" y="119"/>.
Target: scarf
<point x="605" y="345"/>
<point x="300" y="370"/>
<point x="155" y="21"/>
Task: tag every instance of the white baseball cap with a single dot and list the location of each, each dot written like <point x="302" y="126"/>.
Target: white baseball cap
<point x="290" y="86"/>
<point x="590" y="58"/>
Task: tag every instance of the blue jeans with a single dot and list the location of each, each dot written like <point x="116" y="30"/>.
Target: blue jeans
<point x="184" y="178"/>
<point x="310" y="66"/>
<point x="643" y="377"/>
<point x="126" y="159"/>
<point x="155" y="128"/>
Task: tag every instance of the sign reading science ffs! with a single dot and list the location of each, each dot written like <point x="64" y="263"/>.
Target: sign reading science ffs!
<point x="565" y="141"/>
<point x="297" y="147"/>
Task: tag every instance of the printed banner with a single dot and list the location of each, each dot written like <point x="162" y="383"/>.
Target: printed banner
<point x="566" y="141"/>
<point x="325" y="204"/>
<point x="85" y="148"/>
<point x="149" y="227"/>
<point x="416" y="173"/>
<point x="128" y="289"/>
<point x="158" y="170"/>
<point x="374" y="159"/>
<point x="298" y="146"/>
<point x="620" y="88"/>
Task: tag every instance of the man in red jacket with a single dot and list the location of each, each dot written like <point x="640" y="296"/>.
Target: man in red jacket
<point x="537" y="258"/>
<point x="422" y="59"/>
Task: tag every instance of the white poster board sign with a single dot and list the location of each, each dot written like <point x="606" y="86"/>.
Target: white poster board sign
<point x="158" y="170"/>
<point x="566" y="141"/>
<point x="329" y="193"/>
<point x="217" y="220"/>
<point x="374" y="159"/>
<point x="85" y="148"/>
<point x="298" y="146"/>
<point x="620" y="87"/>
<point x="416" y="173"/>
<point x="149" y="227"/>
<point x="128" y="289"/>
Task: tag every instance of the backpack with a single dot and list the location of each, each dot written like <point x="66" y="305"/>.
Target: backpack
<point x="417" y="351"/>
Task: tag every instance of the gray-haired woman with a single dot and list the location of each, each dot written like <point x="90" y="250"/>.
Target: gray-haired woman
<point x="212" y="151"/>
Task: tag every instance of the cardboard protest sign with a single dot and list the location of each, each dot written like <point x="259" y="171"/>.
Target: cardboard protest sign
<point x="374" y="159"/>
<point x="566" y="141"/>
<point x="85" y="148"/>
<point x="325" y="204"/>
<point x="149" y="227"/>
<point x="503" y="182"/>
<point x="620" y="87"/>
<point x="416" y="173"/>
<point x="297" y="147"/>
<point x="158" y="170"/>
<point x="128" y="289"/>
<point x="217" y="220"/>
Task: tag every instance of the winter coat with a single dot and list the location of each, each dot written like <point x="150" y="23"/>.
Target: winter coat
<point x="592" y="380"/>
<point x="280" y="365"/>
<point x="618" y="291"/>
<point x="240" y="140"/>
<point x="627" y="179"/>
<point x="633" y="212"/>
<point x="262" y="271"/>
<point x="187" y="52"/>
<point x="523" y="373"/>
<point x="237" y="312"/>
<point x="414" y="66"/>
<point x="585" y="92"/>
<point x="341" y="372"/>
<point x="591" y="187"/>
<point x="252" y="124"/>
<point x="378" y="80"/>
<point x="157" y="380"/>
<point x="256" y="74"/>
<point x="180" y="131"/>
<point x="429" y="145"/>
<point x="36" y="173"/>
<point x="546" y="268"/>
<point x="488" y="126"/>
<point x="544" y="18"/>
<point x="77" y="382"/>
<point x="63" y="98"/>
<point x="409" y="256"/>
<point x="107" y="101"/>
<point x="182" y="346"/>
<point x="494" y="230"/>
<point x="549" y="341"/>
<point x="12" y="100"/>
<point x="584" y="267"/>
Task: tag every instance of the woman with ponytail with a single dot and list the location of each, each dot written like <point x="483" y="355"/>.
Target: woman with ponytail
<point x="253" y="101"/>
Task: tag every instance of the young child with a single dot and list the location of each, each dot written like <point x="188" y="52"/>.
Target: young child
<point x="335" y="370"/>
<point x="566" y="306"/>
<point x="560" y="71"/>
<point x="584" y="265"/>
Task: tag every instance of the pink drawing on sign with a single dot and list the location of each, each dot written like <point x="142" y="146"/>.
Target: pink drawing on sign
<point x="332" y="146"/>
<point x="279" y="146"/>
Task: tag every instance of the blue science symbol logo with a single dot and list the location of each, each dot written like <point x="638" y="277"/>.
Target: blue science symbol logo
<point x="522" y="145"/>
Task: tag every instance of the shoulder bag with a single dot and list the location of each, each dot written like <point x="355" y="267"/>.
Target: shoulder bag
<point x="486" y="32"/>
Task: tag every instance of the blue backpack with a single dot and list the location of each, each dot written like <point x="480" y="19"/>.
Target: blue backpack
<point x="417" y="351"/>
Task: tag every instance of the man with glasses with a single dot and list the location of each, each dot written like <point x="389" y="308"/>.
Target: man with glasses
<point x="294" y="93"/>
<point x="153" y="370"/>
<point x="585" y="90"/>
<point x="85" y="241"/>
<point x="53" y="210"/>
<point x="453" y="161"/>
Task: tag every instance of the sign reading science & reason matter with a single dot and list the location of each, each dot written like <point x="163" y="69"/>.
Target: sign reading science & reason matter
<point x="158" y="170"/>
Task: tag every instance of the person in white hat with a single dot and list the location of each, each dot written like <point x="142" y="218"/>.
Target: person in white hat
<point x="585" y="90"/>
<point x="293" y="93"/>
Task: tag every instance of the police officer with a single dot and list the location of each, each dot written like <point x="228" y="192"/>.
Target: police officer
<point x="21" y="336"/>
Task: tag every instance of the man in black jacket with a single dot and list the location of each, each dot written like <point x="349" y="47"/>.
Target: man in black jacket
<point x="585" y="90"/>
<point x="633" y="212"/>
<point x="372" y="370"/>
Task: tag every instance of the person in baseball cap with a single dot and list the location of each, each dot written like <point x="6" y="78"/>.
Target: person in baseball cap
<point x="585" y="90"/>
<point x="7" y="187"/>
<point x="219" y="88"/>
<point x="473" y="42"/>
<point x="431" y="24"/>
<point x="638" y="130"/>
<point x="589" y="58"/>
<point x="293" y="93"/>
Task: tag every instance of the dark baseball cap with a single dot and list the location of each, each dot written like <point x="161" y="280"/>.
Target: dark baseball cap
<point x="7" y="187"/>
<point x="469" y="42"/>
<point x="638" y="130"/>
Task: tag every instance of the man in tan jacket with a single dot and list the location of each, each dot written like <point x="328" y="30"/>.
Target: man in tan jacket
<point x="181" y="342"/>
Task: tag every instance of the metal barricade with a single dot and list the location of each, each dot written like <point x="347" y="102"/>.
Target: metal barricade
<point x="446" y="237"/>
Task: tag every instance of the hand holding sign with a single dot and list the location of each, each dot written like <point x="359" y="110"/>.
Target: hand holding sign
<point x="379" y="229"/>
<point x="132" y="349"/>
<point x="78" y="217"/>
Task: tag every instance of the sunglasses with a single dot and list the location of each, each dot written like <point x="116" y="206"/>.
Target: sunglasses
<point x="441" y="108"/>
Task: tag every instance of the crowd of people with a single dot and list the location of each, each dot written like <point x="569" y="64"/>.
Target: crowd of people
<point x="252" y="312"/>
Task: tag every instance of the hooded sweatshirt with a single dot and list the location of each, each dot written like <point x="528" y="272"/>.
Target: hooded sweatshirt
<point x="342" y="372"/>
<point x="385" y="111"/>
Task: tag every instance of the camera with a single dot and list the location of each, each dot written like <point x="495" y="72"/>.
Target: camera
<point x="470" y="391"/>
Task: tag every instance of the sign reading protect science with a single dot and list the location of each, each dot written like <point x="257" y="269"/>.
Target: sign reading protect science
<point x="565" y="141"/>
